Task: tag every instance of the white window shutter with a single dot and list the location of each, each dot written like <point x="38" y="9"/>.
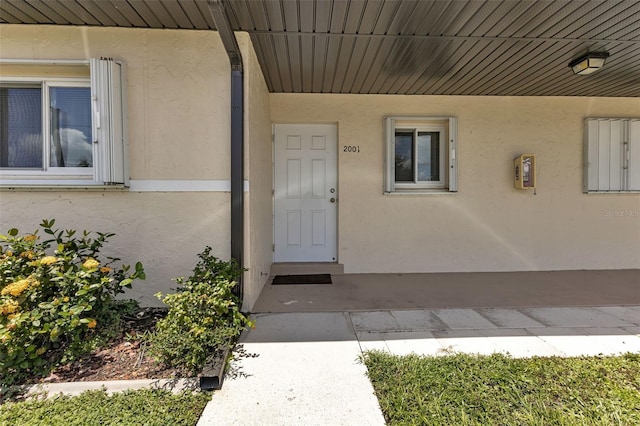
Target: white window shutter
<point x="632" y="156"/>
<point x="591" y="156"/>
<point x="615" y="155"/>
<point x="390" y="170"/>
<point x="109" y="127"/>
<point x="604" y="161"/>
<point x="453" y="154"/>
<point x="612" y="155"/>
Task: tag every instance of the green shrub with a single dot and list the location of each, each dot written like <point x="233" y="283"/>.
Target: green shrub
<point x="204" y="315"/>
<point x="52" y="305"/>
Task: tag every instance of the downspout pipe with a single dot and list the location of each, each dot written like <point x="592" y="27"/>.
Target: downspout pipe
<point x="237" y="133"/>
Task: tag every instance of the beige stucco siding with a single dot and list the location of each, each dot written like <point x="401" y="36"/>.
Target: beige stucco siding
<point x="178" y="97"/>
<point x="488" y="225"/>
<point x="164" y="231"/>
<point x="258" y="217"/>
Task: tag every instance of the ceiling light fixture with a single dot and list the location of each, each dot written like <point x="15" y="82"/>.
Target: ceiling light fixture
<point x="589" y="63"/>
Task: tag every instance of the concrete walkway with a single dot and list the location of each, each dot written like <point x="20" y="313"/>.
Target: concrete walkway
<point x="296" y="369"/>
<point x="303" y="368"/>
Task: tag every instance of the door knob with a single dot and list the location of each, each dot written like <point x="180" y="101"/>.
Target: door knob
<point x="333" y="200"/>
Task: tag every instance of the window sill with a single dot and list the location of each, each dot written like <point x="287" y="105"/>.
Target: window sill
<point x="421" y="192"/>
<point x="61" y="185"/>
<point x="612" y="192"/>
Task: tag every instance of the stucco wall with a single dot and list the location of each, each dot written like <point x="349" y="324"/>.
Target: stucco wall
<point x="178" y="102"/>
<point x="488" y="225"/>
<point x="258" y="219"/>
<point x="164" y="231"/>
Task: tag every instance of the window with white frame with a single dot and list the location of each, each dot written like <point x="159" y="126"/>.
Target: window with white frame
<point x="65" y="129"/>
<point x="612" y="155"/>
<point x="420" y="154"/>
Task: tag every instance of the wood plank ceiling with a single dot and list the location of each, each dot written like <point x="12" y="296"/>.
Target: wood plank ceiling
<point x="443" y="47"/>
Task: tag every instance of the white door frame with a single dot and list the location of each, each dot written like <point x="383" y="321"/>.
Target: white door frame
<point x="309" y="232"/>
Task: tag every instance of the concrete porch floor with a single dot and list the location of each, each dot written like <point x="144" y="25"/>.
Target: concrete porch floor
<point x="372" y="292"/>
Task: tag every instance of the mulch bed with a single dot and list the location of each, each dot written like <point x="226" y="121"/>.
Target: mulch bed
<point x="124" y="359"/>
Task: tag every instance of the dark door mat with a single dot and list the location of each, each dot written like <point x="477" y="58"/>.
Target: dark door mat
<point x="301" y="279"/>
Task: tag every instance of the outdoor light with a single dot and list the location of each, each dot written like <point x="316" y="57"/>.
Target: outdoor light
<point x="591" y="62"/>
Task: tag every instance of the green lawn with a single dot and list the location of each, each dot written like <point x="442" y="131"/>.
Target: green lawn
<point x="500" y="390"/>
<point x="141" y="407"/>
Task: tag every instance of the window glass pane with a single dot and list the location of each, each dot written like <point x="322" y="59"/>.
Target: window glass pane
<point x="404" y="157"/>
<point x="20" y="127"/>
<point x="70" y="111"/>
<point x="428" y="156"/>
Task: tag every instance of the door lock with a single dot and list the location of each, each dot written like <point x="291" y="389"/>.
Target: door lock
<point x="333" y="200"/>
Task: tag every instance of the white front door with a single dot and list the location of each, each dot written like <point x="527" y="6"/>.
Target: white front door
<point x="305" y="193"/>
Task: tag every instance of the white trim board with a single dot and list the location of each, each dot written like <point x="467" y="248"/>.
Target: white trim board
<point x="182" y="185"/>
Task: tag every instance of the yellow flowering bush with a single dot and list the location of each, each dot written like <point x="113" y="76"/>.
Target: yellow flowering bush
<point x="27" y="254"/>
<point x="56" y="296"/>
<point x="16" y="288"/>
<point x="48" y="260"/>
<point x="9" y="307"/>
<point x="90" y="263"/>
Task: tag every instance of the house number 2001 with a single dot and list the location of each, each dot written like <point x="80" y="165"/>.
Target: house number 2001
<point x="351" y="148"/>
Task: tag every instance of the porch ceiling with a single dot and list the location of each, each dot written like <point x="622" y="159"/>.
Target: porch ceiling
<point x="443" y="47"/>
